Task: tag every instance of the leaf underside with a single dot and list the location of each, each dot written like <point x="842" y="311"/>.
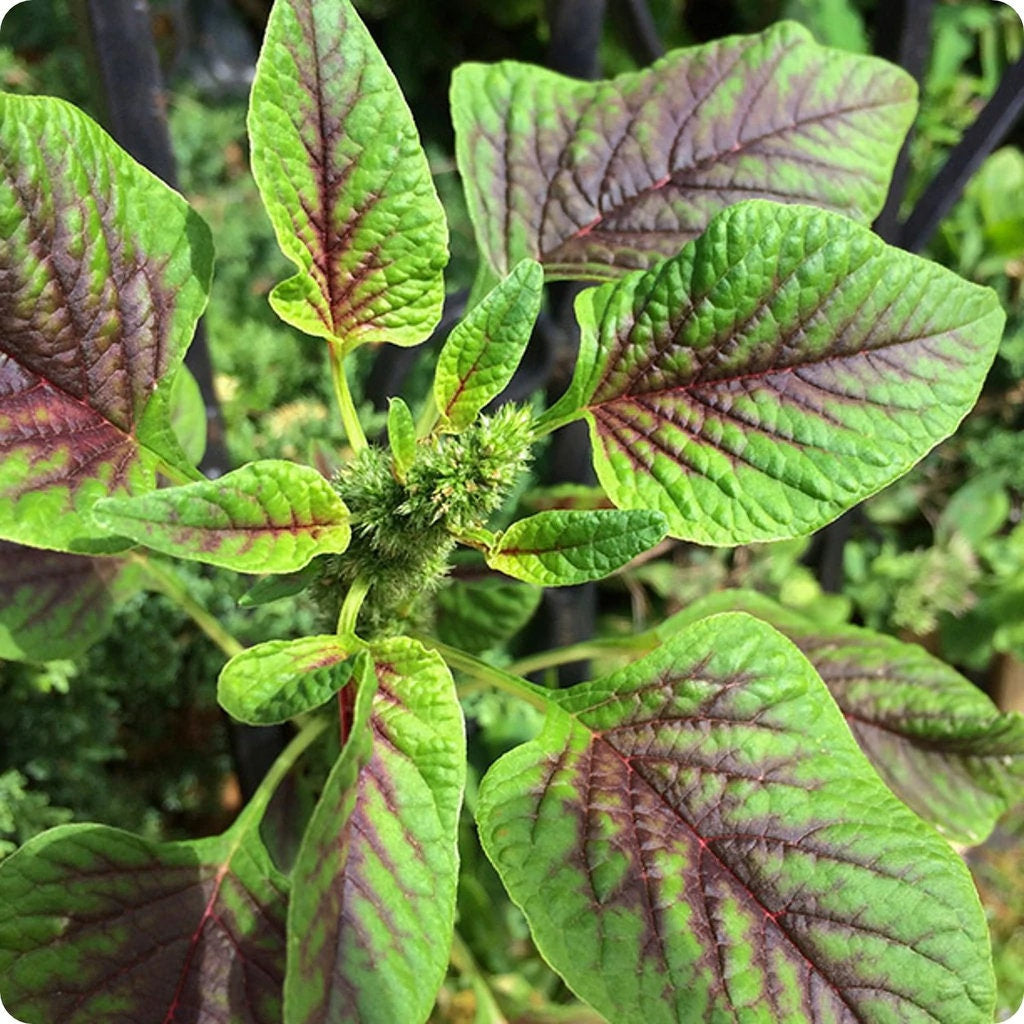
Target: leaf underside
<point x="353" y="205"/>
<point x="594" y="179"/>
<point x="939" y="743"/>
<point x="697" y="837"/>
<point x="97" y="925"/>
<point x="373" y="903"/>
<point x="267" y="516"/>
<point x="54" y="605"/>
<point x="105" y="271"/>
<point x="782" y="367"/>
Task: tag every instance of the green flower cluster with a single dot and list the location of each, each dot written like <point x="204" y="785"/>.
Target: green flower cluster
<point x="403" y="531"/>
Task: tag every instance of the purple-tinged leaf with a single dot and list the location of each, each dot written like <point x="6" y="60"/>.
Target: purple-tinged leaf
<point x="596" y="178"/>
<point x="345" y="181"/>
<point x="98" y="926"/>
<point x="697" y="837"/>
<point x="483" y="351"/>
<point x="56" y="605"/>
<point x="940" y="744"/>
<point x="372" y="911"/>
<point x="279" y="679"/>
<point x="268" y="516"/>
<point x="781" y="368"/>
<point x="565" y="547"/>
<point x="103" y="273"/>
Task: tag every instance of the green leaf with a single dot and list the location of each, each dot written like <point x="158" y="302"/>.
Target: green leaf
<point x="780" y="369"/>
<point x="269" y="516"/>
<point x="373" y="901"/>
<point x="940" y="744"/>
<point x="106" y="271"/>
<point x="401" y="436"/>
<point x="188" y="415"/>
<point x="279" y="679"/>
<point x="698" y="837"/>
<point x="98" y="925"/>
<point x="976" y="511"/>
<point x="274" y="588"/>
<point x="560" y="548"/>
<point x="345" y="181"/>
<point x="56" y="605"/>
<point x="596" y="178"/>
<point x="483" y="352"/>
<point x="477" y="615"/>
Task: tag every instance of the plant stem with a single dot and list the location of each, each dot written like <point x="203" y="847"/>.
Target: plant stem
<point x="175" y="475"/>
<point x="583" y="651"/>
<point x="350" y="606"/>
<point x="428" y="416"/>
<point x="465" y="963"/>
<point x="283" y="765"/>
<point x="347" y="408"/>
<point x="169" y="585"/>
<point x="495" y="677"/>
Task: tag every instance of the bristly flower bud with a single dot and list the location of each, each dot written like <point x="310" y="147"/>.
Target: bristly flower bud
<point x="403" y="533"/>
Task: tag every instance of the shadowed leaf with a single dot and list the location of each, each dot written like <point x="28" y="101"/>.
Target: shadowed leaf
<point x="940" y="743"/>
<point x="697" y="837"/>
<point x="104" y="273"/>
<point x="372" y="911"/>
<point x="781" y="368"/>
<point x="98" y="925"/>
<point x="56" y="605"/>
<point x="345" y="181"/>
<point x="596" y="178"/>
<point x="562" y="548"/>
<point x="269" y="516"/>
<point x="477" y="615"/>
<point x="279" y="679"/>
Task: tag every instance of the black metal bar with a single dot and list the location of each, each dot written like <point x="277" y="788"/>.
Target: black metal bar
<point x="992" y="125"/>
<point x="132" y="98"/>
<point x="575" y="27"/>
<point x="640" y="31"/>
<point x="903" y="34"/>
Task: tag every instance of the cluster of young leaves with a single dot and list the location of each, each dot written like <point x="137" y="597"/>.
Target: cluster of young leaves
<point x="696" y="835"/>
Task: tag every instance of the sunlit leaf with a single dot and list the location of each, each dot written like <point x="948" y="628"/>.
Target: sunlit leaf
<point x="697" y="837"/>
<point x="782" y="367"/>
<point x="482" y="353"/>
<point x="373" y="902"/>
<point x="560" y="548"/>
<point x="596" y="178"/>
<point x="105" y="271"/>
<point x="345" y="181"/>
<point x="269" y="516"/>
<point x="279" y="679"/>
<point x="940" y="743"/>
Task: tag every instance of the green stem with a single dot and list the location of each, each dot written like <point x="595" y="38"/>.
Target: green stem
<point x="428" y="417"/>
<point x="347" y="408"/>
<point x="465" y="963"/>
<point x="169" y="585"/>
<point x="350" y="606"/>
<point x="283" y="765"/>
<point x="494" y="677"/>
<point x="175" y="475"/>
<point x="638" y="644"/>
